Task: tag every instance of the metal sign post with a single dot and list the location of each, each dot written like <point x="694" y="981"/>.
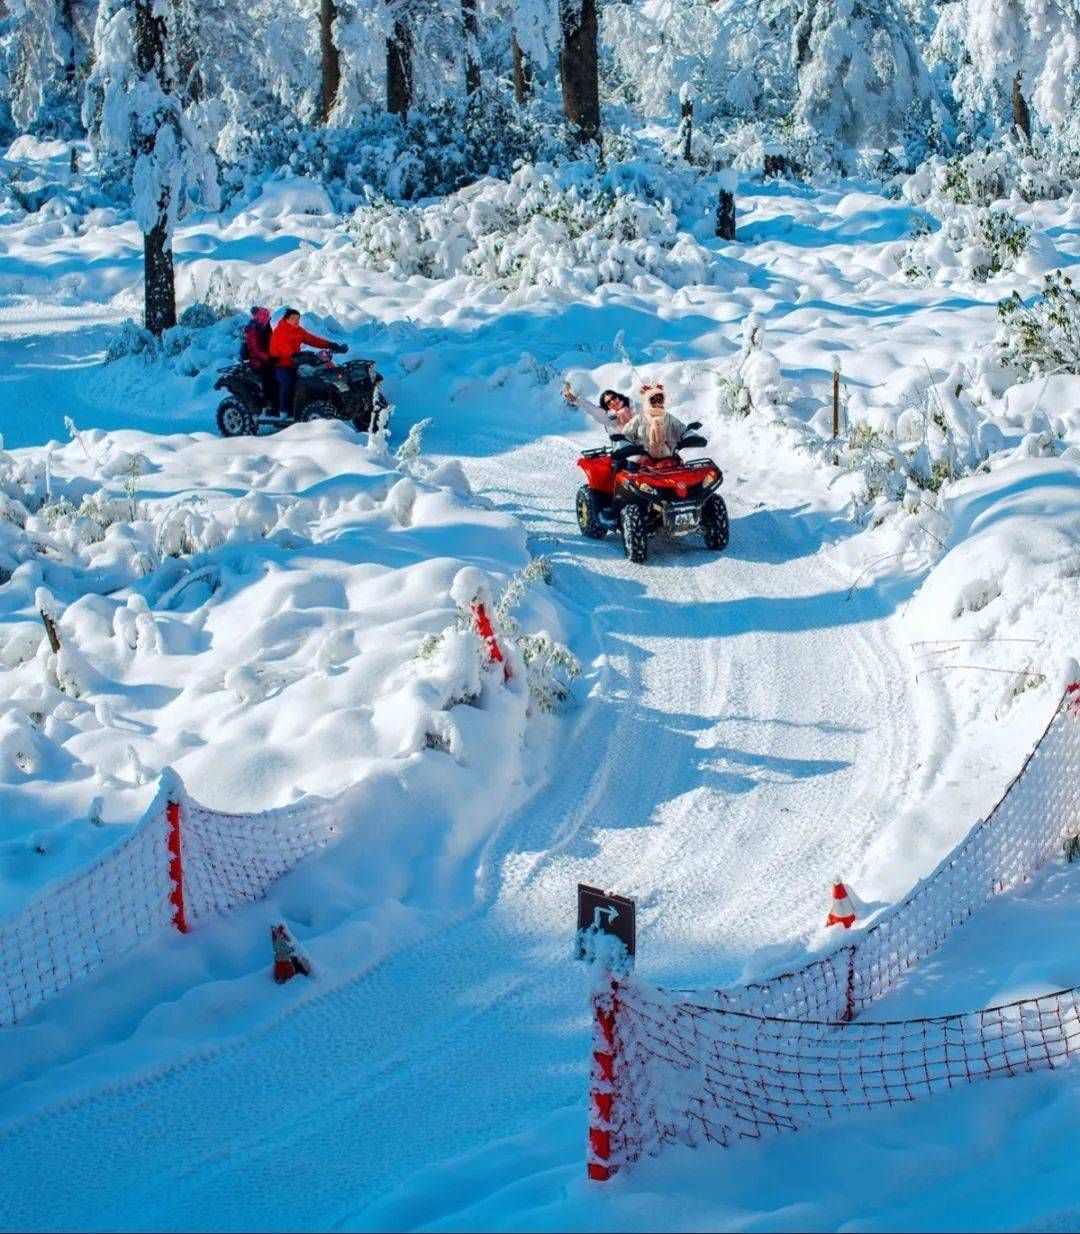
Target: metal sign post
<point x="599" y="912"/>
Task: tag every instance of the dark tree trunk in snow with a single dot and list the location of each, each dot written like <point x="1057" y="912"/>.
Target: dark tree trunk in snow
<point x="1021" y="115"/>
<point x="399" y="72"/>
<point x="725" y="215"/>
<point x="522" y="72"/>
<point x="580" y="69"/>
<point x="331" y="58"/>
<point x="686" y="128"/>
<point x="158" y="287"/>
<point x="67" y="19"/>
<point x="471" y="28"/>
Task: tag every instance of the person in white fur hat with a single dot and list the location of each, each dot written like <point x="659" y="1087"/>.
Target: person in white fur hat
<point x="655" y="427"/>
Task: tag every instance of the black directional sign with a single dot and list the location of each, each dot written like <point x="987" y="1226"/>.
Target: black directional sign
<point x="610" y="914"/>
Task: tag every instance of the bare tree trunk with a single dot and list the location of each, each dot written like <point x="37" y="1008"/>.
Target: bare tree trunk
<point x="158" y="285"/>
<point x="579" y="64"/>
<point x="331" y="58"/>
<point x="1021" y="115"/>
<point x="471" y="24"/>
<point x="522" y="72"/>
<point x="399" y="71"/>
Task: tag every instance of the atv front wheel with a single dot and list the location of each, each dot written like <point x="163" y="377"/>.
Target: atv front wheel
<point x="588" y="514"/>
<point x="234" y="419"/>
<point x="715" y="528"/>
<point x="634" y="537"/>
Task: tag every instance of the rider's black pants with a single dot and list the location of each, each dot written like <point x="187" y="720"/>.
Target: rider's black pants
<point x="286" y="380"/>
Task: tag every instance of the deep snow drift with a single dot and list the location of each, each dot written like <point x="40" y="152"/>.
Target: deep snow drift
<point x="844" y="691"/>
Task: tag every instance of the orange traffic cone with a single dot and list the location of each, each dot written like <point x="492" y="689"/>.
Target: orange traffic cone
<point x="288" y="958"/>
<point x="842" y="911"/>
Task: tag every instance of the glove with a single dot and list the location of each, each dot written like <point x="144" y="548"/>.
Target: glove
<point x="339" y="348"/>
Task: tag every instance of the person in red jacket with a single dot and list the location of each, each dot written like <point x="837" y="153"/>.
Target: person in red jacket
<point x="256" y="352"/>
<point x="286" y="342"/>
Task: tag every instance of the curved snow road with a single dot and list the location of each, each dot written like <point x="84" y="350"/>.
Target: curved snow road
<point x="742" y="743"/>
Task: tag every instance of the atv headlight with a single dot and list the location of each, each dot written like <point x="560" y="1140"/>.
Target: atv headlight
<point x="643" y="486"/>
<point x="710" y="477"/>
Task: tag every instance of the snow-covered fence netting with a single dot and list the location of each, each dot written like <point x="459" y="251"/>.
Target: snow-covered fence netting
<point x="691" y="1074"/>
<point x="229" y="859"/>
<point x="717" y="1065"/>
<point x="181" y="864"/>
<point x="1039" y="809"/>
<point x="77" y="924"/>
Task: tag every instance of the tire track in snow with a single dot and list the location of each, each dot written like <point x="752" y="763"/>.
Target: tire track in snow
<point x="710" y="778"/>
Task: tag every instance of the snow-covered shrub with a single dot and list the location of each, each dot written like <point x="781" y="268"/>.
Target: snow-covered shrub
<point x="203" y="337"/>
<point x="1046" y="169"/>
<point x="756" y="383"/>
<point x="975" y="242"/>
<point x="560" y="228"/>
<point x="549" y="666"/>
<point x="436" y="150"/>
<point x="1043" y="337"/>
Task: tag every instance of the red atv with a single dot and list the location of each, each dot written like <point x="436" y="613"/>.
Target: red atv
<point x="642" y="496"/>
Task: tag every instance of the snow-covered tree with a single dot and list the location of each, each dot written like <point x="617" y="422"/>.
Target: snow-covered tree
<point x="138" y="122"/>
<point x="861" y="75"/>
<point x="42" y="45"/>
<point x="998" y="49"/>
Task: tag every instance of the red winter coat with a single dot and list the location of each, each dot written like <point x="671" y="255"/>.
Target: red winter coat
<point x="289" y="338"/>
<point x="257" y="345"/>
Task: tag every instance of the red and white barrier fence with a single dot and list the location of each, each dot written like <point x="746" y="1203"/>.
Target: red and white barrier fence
<point x="1038" y="810"/>
<point x="181" y="864"/>
<point x="691" y="1074"/>
<point x="717" y="1065"/>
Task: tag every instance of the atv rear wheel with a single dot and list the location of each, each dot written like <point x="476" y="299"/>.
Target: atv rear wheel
<point x="588" y="514"/>
<point x="320" y="409"/>
<point x="715" y="528"/>
<point x="235" y="419"/>
<point x="634" y="537"/>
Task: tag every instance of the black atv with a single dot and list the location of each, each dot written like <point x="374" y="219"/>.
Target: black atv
<point x="325" y="390"/>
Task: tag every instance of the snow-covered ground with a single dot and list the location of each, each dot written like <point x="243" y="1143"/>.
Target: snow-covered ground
<point x="831" y="695"/>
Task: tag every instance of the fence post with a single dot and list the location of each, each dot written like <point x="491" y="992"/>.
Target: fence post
<point x="849" y="993"/>
<point x="835" y="408"/>
<point x="176" y="864"/>
<point x="602" y="1091"/>
<point x="487" y="633"/>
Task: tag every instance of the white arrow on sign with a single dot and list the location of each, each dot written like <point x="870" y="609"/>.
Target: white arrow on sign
<point x="611" y="911"/>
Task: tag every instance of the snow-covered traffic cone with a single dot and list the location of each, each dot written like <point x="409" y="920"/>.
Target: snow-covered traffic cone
<point x="842" y="911"/>
<point x="288" y="958"/>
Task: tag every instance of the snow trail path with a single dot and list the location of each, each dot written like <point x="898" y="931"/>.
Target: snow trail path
<point x="742" y="744"/>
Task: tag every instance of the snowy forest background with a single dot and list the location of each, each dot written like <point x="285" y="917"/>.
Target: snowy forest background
<point x="185" y="105"/>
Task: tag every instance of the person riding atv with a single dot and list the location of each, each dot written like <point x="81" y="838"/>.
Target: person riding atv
<point x="286" y="342"/>
<point x="640" y="486"/>
<point x="655" y="427"/>
<point x="325" y="390"/>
